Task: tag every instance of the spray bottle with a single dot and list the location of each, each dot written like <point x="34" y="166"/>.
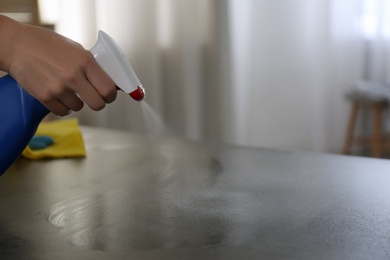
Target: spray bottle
<point x="21" y="114"/>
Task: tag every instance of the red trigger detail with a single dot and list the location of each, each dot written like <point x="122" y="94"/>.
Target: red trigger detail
<point x="138" y="94"/>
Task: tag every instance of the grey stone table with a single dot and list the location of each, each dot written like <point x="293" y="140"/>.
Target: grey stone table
<point x="137" y="197"/>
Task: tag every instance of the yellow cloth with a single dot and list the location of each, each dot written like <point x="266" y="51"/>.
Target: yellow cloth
<point x="68" y="140"/>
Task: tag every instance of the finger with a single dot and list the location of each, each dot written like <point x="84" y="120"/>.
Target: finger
<point x="90" y="95"/>
<point x="57" y="108"/>
<point x="101" y="81"/>
<point x="72" y="101"/>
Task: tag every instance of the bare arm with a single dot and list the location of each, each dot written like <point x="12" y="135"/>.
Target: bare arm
<point x="58" y="72"/>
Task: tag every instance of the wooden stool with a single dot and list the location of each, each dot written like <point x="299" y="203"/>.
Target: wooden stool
<point x="377" y="105"/>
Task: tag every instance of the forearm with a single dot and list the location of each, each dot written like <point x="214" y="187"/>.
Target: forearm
<point x="10" y="32"/>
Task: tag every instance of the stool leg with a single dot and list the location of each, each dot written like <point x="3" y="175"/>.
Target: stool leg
<point x="377" y="132"/>
<point x="351" y="128"/>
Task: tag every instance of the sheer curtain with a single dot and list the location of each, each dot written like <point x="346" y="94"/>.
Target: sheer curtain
<point x="176" y="48"/>
<point x="269" y="73"/>
<point x="375" y="25"/>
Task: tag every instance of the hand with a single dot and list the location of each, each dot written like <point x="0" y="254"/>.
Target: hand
<point x="58" y="72"/>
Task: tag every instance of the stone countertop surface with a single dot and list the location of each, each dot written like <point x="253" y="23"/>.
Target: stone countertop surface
<point x="141" y="197"/>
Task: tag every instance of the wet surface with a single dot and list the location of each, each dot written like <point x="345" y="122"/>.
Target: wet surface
<point x="114" y="221"/>
<point x="137" y="197"/>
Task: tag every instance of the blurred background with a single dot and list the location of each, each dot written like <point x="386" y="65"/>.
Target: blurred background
<point x="262" y="73"/>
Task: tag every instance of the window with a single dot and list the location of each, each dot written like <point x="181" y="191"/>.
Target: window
<point x="375" y="20"/>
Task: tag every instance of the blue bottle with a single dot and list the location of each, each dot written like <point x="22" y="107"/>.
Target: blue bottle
<point x="20" y="115"/>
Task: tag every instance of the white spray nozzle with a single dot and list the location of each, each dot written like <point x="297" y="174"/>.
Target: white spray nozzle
<point x="110" y="57"/>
